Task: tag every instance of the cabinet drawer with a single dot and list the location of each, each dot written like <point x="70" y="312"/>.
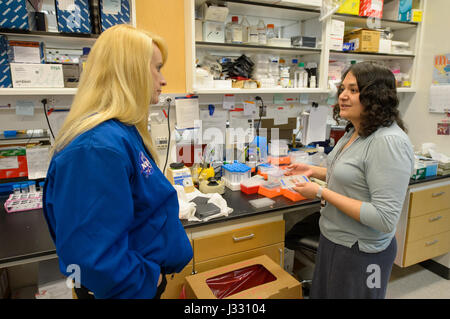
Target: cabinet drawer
<point x="275" y="252"/>
<point x="428" y="225"/>
<point x="429" y="200"/>
<point x="238" y="240"/>
<point x="426" y="248"/>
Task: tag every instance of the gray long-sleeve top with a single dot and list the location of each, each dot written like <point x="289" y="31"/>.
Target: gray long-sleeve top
<point x="375" y="170"/>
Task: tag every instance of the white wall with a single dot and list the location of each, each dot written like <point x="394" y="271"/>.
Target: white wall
<point x="421" y="124"/>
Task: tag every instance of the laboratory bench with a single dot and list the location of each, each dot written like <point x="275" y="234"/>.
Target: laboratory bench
<point x="245" y="233"/>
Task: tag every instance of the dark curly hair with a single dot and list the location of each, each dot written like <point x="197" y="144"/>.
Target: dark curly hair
<point x="378" y="96"/>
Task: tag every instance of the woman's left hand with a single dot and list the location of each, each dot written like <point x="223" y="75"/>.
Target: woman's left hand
<point x="308" y="189"/>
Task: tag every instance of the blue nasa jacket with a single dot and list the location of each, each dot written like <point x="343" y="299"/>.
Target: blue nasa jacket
<point x="112" y="212"/>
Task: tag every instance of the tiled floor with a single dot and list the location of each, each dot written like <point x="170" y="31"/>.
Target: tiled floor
<point x="417" y="282"/>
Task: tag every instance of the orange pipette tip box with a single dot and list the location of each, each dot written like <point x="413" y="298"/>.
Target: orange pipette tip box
<point x="292" y="195"/>
<point x="279" y="160"/>
<point x="270" y="192"/>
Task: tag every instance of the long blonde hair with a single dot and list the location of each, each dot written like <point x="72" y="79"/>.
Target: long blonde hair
<point x="116" y="83"/>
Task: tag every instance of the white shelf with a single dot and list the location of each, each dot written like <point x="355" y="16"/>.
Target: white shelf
<point x="227" y="47"/>
<point x="371" y="55"/>
<point x="259" y="91"/>
<point x="37" y="91"/>
<point x="406" y="90"/>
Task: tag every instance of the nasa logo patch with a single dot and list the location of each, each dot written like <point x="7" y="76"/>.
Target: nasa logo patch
<point x="146" y="166"/>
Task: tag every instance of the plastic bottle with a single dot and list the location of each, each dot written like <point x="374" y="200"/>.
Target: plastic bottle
<point x="245" y="30"/>
<point x="228" y="33"/>
<point x="292" y="71"/>
<point x="312" y="67"/>
<point x="236" y="30"/>
<point x="301" y="76"/>
<point x="83" y="58"/>
<point x="262" y="37"/>
<point x="284" y="74"/>
<point x="16" y="188"/>
<point x="253" y="35"/>
<point x="270" y="32"/>
<point x="320" y="158"/>
<point x="41" y="187"/>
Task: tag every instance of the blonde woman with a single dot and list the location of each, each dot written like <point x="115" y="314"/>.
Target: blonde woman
<point x="109" y="209"/>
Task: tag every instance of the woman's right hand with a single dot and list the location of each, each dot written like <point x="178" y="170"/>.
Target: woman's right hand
<point x="299" y="169"/>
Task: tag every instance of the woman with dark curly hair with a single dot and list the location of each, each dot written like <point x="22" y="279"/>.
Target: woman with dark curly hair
<point x="367" y="177"/>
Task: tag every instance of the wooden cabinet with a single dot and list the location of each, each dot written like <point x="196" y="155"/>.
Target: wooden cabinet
<point x="175" y="282"/>
<point x="230" y="244"/>
<point x="238" y="240"/>
<point x="167" y="19"/>
<point x="429" y="200"/>
<point x="275" y="252"/>
<point x="424" y="228"/>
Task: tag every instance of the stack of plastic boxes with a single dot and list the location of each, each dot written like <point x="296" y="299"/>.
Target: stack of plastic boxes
<point x="263" y="170"/>
<point x="299" y="157"/>
<point x="279" y="153"/>
<point x="5" y="72"/>
<point x="251" y="185"/>
<point x="234" y="174"/>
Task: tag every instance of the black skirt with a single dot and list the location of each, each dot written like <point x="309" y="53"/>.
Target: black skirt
<point x="348" y="273"/>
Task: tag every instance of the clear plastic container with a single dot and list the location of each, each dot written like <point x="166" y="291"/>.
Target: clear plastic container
<point x="319" y="158"/>
<point x="301" y="76"/>
<point x="299" y="157"/>
<point x="261" y="202"/>
<point x="262" y="37"/>
<point x="284" y="74"/>
<point x="236" y="30"/>
<point x="279" y="148"/>
<point x="253" y="35"/>
<point x="270" y="32"/>
<point x="275" y="175"/>
<point x="16" y="189"/>
<point x="251" y="185"/>
<point x="270" y="190"/>
<point x="245" y="29"/>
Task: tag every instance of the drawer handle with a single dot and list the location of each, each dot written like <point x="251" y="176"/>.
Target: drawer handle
<point x="281" y="257"/>
<point x="433" y="219"/>
<point x="437" y="194"/>
<point x="431" y="242"/>
<point x="243" y="238"/>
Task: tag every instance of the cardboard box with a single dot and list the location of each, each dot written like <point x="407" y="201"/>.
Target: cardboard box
<point x="73" y="16"/>
<point x="37" y="75"/>
<point x="5" y="76"/>
<point x="365" y="40"/>
<point x="279" y="284"/>
<point x="403" y="10"/>
<point x="112" y="15"/>
<point x="285" y="131"/>
<point x="337" y="34"/>
<point x="18" y="14"/>
<point x="371" y="8"/>
<point x="385" y="46"/>
<point x="349" y="7"/>
<point x="24" y="52"/>
<point x="213" y="32"/>
<point x="14" y="162"/>
<point x="214" y="13"/>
